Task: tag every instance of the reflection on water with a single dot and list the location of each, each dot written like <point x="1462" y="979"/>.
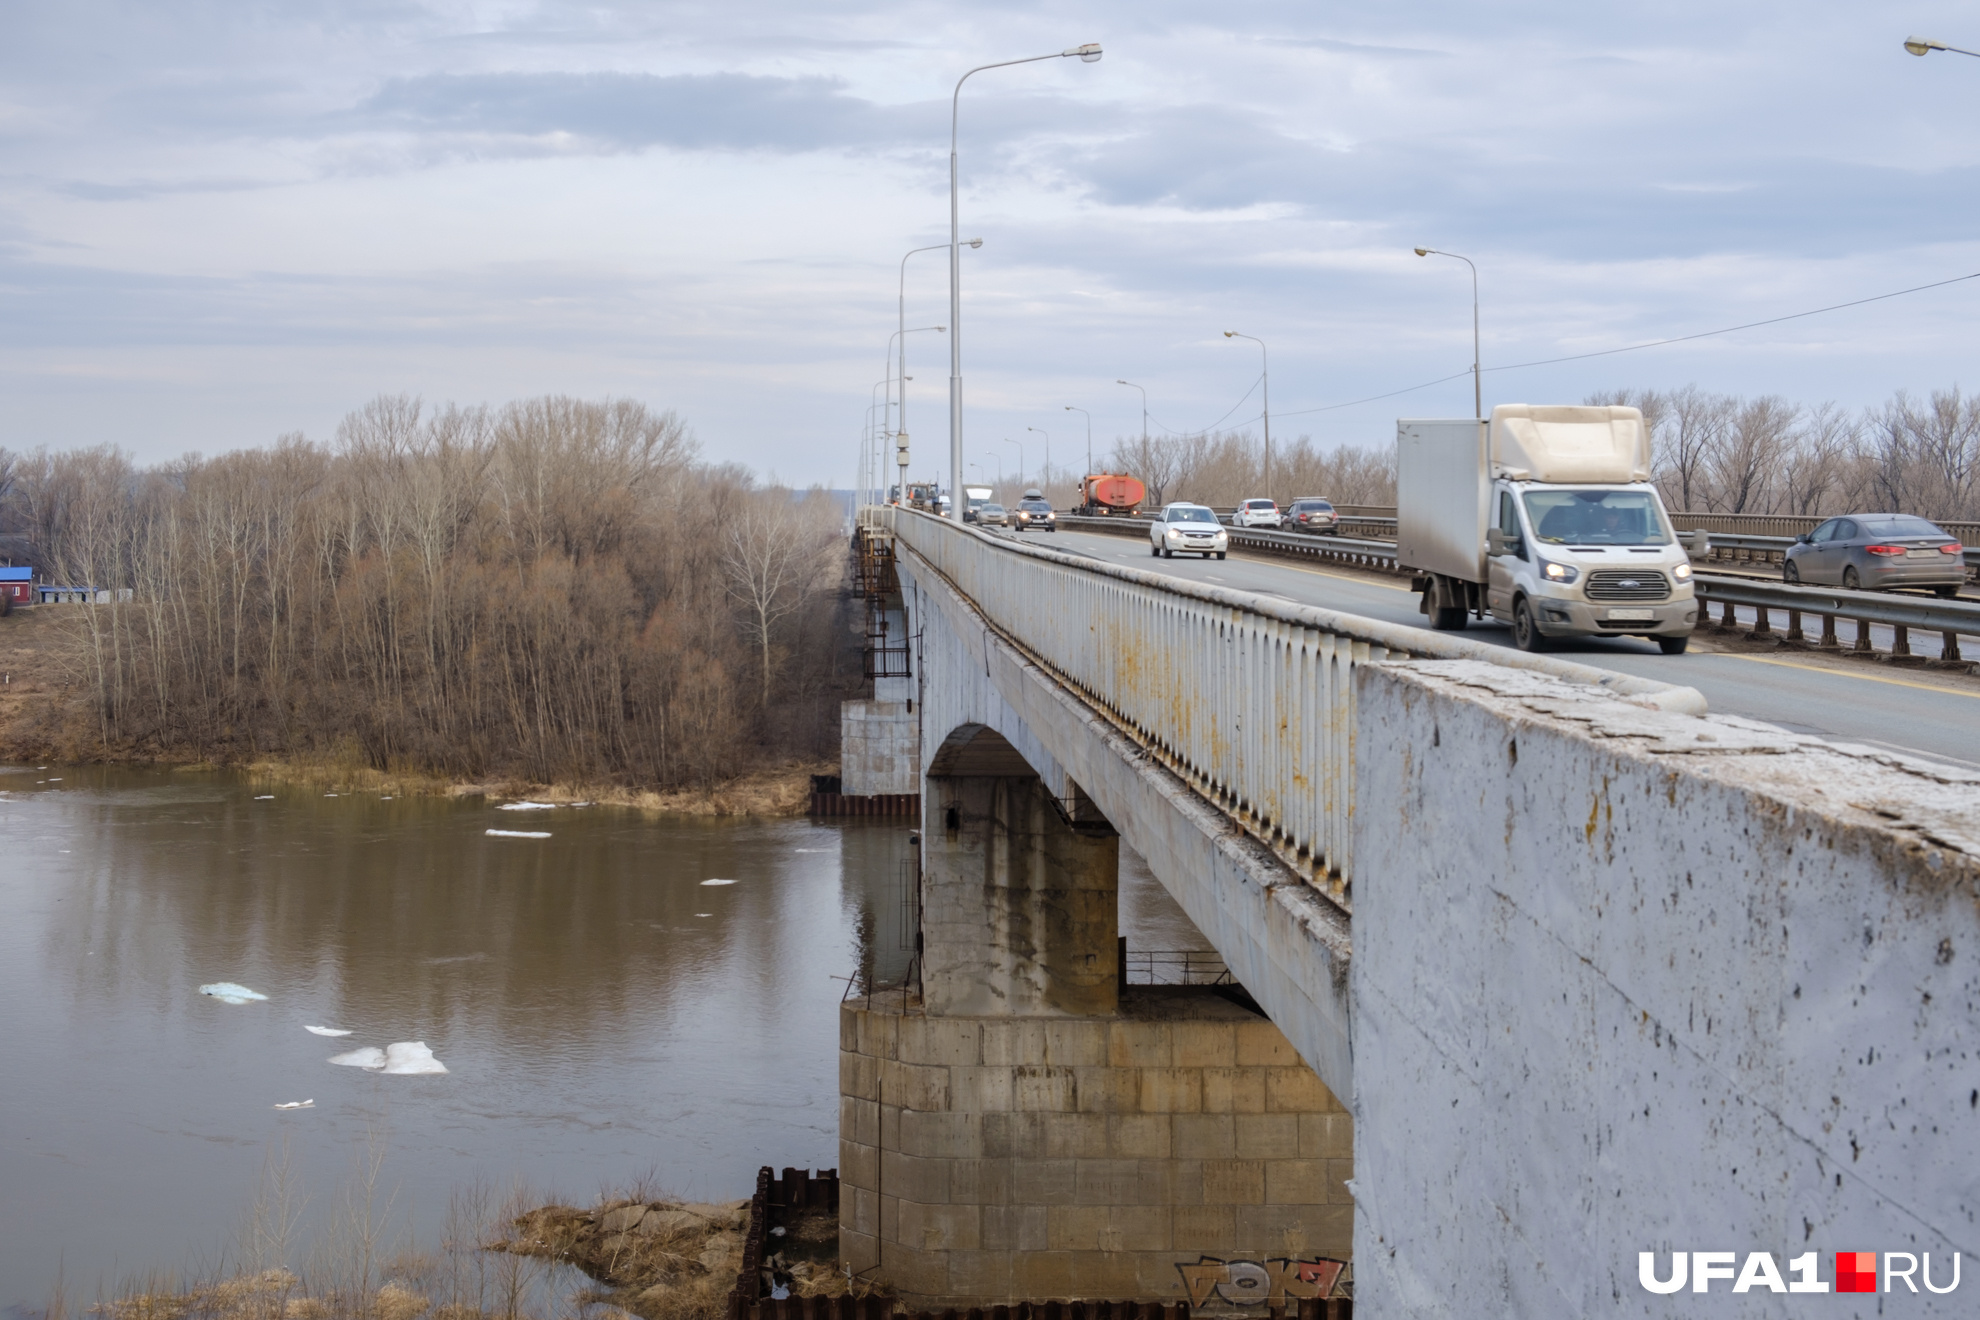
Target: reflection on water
<point x="601" y="1013"/>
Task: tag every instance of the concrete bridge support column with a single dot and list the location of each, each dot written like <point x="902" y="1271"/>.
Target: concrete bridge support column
<point x="1029" y="1129"/>
<point x="1019" y="901"/>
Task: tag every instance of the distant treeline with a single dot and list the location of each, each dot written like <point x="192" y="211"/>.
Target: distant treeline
<point x="1712" y="453"/>
<point x="554" y="589"/>
<point x="1720" y="453"/>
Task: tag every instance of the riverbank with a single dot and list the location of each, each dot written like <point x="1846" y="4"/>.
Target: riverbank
<point x="42" y="720"/>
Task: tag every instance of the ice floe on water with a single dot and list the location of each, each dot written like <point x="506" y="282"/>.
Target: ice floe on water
<point x="411" y="1057"/>
<point x="264" y="797"/>
<point x="403" y="1058"/>
<point x="527" y="806"/>
<point x="706" y="883"/>
<point x="517" y="834"/>
<point x="369" y="1056"/>
<point x="229" y="993"/>
<point x="329" y="1031"/>
<point x="297" y="1104"/>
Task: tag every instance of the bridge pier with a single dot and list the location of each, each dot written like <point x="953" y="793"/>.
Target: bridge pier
<point x="1026" y="1127"/>
<point x="1020" y="902"/>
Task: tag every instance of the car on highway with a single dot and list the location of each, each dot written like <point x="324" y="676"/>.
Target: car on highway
<point x="1257" y="513"/>
<point x="991" y="515"/>
<point x="1877" y="552"/>
<point x="1311" y="514"/>
<point x="1034" y="513"/>
<point x="1188" y="529"/>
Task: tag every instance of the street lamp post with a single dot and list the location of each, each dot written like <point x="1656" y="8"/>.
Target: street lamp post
<point x="900" y="435"/>
<point x="1087" y="54"/>
<point x="1089" y="433"/>
<point x="1477" y="387"/>
<point x="1000" y="469"/>
<point x="1925" y="45"/>
<point x="1266" y="358"/>
<point x="1144" y="420"/>
<point x="1020" y="445"/>
<point x="1048" y="456"/>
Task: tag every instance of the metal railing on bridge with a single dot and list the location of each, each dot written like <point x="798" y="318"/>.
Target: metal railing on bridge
<point x="1249" y="698"/>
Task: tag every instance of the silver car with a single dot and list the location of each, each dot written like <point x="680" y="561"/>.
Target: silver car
<point x="1188" y="529"/>
<point x="1877" y="552"/>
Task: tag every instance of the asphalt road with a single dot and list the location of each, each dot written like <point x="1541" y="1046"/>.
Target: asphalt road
<point x="1929" y="713"/>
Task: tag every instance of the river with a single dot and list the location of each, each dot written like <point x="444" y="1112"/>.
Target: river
<point x="604" y="1015"/>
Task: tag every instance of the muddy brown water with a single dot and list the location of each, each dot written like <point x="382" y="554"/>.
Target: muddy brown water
<point x="602" y="1013"/>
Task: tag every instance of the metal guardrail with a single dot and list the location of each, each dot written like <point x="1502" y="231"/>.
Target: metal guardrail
<point x="1773" y="549"/>
<point x="1249" y="698"/>
<point x="1785" y="525"/>
<point x="1950" y="617"/>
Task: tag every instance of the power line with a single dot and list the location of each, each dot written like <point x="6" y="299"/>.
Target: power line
<point x="1632" y="348"/>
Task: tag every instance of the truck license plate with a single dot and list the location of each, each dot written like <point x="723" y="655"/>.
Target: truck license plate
<point x="1632" y="614"/>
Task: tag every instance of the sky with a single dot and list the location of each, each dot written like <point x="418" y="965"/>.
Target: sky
<point x="225" y="221"/>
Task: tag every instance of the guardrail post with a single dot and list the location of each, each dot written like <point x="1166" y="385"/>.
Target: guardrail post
<point x="1794" y="634"/>
<point x="1729" y="619"/>
<point x="1901" y="646"/>
<point x="1863" y="637"/>
<point x="1949" y="648"/>
<point x="1760" y="626"/>
<point x="1829" y="642"/>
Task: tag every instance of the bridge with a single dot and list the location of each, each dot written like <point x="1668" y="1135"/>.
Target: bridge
<point x="1558" y="964"/>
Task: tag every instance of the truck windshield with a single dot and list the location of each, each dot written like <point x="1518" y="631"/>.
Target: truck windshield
<point x="1596" y="517"/>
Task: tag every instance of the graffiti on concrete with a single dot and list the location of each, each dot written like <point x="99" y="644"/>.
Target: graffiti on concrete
<point x="1260" y="1282"/>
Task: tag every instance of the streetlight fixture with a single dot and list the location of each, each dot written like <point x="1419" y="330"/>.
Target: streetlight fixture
<point x="1925" y="45"/>
<point x="1089" y="434"/>
<point x="1087" y="54"/>
<point x="1477" y="385"/>
<point x="1266" y="358"/>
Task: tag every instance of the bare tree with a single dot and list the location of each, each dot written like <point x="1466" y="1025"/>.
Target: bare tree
<point x="773" y="553"/>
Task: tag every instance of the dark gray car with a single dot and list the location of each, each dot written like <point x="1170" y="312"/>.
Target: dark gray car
<point x="1877" y="552"/>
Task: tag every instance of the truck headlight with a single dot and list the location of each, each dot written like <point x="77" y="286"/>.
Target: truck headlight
<point x="1559" y="572"/>
<point x="1681" y="572"/>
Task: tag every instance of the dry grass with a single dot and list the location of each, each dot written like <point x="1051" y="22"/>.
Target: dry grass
<point x="643" y="1254"/>
<point x="783" y="791"/>
<point x="655" y="1257"/>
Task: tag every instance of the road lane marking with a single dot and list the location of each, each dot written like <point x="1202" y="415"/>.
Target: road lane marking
<point x="1844" y="673"/>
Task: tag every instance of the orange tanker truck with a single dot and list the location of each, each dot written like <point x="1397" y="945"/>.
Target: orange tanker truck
<point x="1109" y="493"/>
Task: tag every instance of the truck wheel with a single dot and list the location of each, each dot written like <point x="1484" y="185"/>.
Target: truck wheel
<point x="1155" y="550"/>
<point x="1673" y="645"/>
<point x="1526" y="633"/>
<point x="1448" y="618"/>
<point x="1221" y="553"/>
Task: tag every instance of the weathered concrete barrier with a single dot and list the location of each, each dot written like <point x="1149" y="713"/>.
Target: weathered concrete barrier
<point x="1630" y="981"/>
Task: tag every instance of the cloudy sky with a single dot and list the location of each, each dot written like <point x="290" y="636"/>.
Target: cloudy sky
<point x="222" y="221"/>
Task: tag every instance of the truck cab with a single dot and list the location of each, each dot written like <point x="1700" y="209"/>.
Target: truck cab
<point x="1586" y="560"/>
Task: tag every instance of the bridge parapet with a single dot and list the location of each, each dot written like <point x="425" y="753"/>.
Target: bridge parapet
<point x="1248" y="698"/>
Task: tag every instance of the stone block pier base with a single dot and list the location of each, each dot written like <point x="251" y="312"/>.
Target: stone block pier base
<point x="991" y="1159"/>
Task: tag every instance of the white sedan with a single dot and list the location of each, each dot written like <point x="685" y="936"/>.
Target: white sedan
<point x="1188" y="528"/>
<point x="1258" y="513"/>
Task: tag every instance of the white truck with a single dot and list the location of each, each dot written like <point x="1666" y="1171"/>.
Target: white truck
<point x="978" y="496"/>
<point x="1544" y="518"/>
